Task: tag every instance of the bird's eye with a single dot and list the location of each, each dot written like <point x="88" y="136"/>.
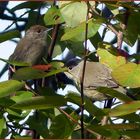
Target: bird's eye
<point x="39" y="30"/>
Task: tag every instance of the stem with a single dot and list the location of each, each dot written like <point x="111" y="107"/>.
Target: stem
<point x="53" y="41"/>
<point x="83" y="74"/>
<point x="123" y="26"/>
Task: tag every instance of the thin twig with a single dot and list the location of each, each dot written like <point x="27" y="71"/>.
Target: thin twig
<point x="123" y="26"/>
<point x="83" y="75"/>
<point x="104" y="121"/>
<point x="54" y="37"/>
<point x="76" y="122"/>
<point x="112" y="29"/>
<point x="15" y="21"/>
<point x="53" y="41"/>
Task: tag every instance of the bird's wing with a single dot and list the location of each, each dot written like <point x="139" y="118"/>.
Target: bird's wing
<point x="25" y="51"/>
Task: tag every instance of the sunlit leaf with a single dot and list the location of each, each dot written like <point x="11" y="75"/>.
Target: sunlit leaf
<point x="128" y="75"/>
<point x="57" y="64"/>
<point x="78" y="33"/>
<point x="22" y="95"/>
<point x="53" y="16"/>
<point x="9" y="87"/>
<point x="109" y="59"/>
<point x="71" y="14"/>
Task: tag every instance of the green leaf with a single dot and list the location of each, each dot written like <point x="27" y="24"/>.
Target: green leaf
<point x="100" y="130"/>
<point x="96" y="39"/>
<point x="57" y="64"/>
<point x="22" y="95"/>
<point x="6" y="102"/>
<point x="131" y="117"/>
<point x="132" y="134"/>
<point x="61" y="127"/>
<point x="127" y="75"/>
<point x="9" y="87"/>
<point x="128" y="126"/>
<point x="41" y="102"/>
<point x="108" y="58"/>
<point x="33" y="16"/>
<point x="38" y="122"/>
<point x="133" y="29"/>
<point x="2" y="123"/>
<point x="53" y="16"/>
<point x="17" y="114"/>
<point x="125" y="109"/>
<point x="89" y="106"/>
<point x="29" y="73"/>
<point x="78" y="33"/>
<point x="15" y="63"/>
<point x="9" y="35"/>
<point x="77" y="48"/>
<point x="114" y="93"/>
<point x="71" y="14"/>
<point x="30" y="4"/>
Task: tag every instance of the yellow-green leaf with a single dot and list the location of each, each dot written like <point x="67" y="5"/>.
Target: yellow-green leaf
<point x="125" y="109"/>
<point x="108" y="58"/>
<point x="53" y="16"/>
<point x="71" y="14"/>
<point x="78" y="33"/>
<point x="127" y="75"/>
<point x="8" y="87"/>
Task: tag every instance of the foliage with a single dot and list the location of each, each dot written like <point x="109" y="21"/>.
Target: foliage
<point x="40" y="110"/>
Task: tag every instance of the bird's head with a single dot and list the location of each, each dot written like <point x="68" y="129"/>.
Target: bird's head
<point x="37" y="31"/>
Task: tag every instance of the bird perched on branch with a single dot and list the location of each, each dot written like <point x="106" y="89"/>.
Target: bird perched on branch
<point x="32" y="47"/>
<point x="96" y="75"/>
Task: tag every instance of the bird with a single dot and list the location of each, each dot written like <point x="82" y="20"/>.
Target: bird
<point x="32" y="47"/>
<point x="96" y="75"/>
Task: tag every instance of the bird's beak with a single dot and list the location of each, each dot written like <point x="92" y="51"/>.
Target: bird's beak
<point x="48" y="29"/>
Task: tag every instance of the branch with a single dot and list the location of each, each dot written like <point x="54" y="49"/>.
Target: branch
<point x="6" y="17"/>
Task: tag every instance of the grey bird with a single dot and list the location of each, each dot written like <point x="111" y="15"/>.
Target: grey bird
<point x="32" y="47"/>
<point x="96" y="75"/>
